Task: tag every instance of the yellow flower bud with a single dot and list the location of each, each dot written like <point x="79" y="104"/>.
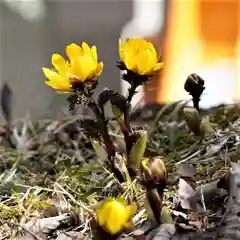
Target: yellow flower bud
<point x="114" y="215"/>
<point x="154" y="170"/>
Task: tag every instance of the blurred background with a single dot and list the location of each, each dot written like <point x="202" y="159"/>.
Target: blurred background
<point x="199" y="36"/>
<point x="31" y="30"/>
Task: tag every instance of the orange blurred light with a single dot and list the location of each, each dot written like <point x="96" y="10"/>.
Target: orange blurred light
<point x="202" y="37"/>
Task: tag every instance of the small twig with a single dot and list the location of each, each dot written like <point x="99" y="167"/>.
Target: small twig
<point x="188" y="158"/>
<point x="202" y="199"/>
<point x="90" y="211"/>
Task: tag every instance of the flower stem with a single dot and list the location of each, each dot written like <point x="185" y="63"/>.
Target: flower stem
<point x="104" y="130"/>
<point x="155" y="202"/>
<point x="196" y="101"/>
<point x="131" y="92"/>
<point x="107" y="140"/>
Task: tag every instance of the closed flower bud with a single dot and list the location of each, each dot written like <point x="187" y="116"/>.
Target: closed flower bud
<point x="154" y="171"/>
<point x="194" y="85"/>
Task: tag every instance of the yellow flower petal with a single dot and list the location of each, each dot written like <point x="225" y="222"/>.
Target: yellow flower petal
<point x="56" y="81"/>
<point x="73" y="51"/>
<point x="86" y="49"/>
<point x="131" y="62"/>
<point x="99" y="69"/>
<point x="158" y="66"/>
<point x="131" y="210"/>
<point x="127" y="225"/>
<point x="121" y="50"/>
<point x="94" y="53"/>
<point x="84" y="67"/>
<point x="51" y="75"/>
<point x="139" y="56"/>
<point x="51" y="84"/>
<point x="145" y="62"/>
<point x="113" y="225"/>
<point x="113" y="215"/>
<point x="60" y="88"/>
<point x="59" y="63"/>
<point x="77" y="70"/>
<point x="122" y="201"/>
<point x="100" y="217"/>
<point x="116" y="217"/>
<point x="151" y="48"/>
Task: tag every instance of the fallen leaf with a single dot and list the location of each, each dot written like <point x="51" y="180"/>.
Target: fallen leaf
<point x="42" y="227"/>
<point x="186" y="193"/>
<point x="187" y="170"/>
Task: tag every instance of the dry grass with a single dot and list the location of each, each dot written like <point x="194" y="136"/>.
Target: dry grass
<point x="61" y="173"/>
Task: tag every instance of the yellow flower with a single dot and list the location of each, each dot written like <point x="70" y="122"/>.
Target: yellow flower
<point x="113" y="215"/>
<point x="139" y="56"/>
<point x="84" y="62"/>
<point x="82" y="65"/>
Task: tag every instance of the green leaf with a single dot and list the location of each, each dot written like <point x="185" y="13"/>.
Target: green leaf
<point x="166" y="217"/>
<point x="117" y="113"/>
<point x="99" y="149"/>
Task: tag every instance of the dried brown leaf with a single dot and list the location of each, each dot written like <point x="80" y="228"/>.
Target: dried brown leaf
<point x="42" y="227"/>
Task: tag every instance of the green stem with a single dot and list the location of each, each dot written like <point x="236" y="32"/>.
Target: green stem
<point x="155" y="203"/>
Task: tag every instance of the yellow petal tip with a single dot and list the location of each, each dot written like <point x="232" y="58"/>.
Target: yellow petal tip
<point x="158" y="66"/>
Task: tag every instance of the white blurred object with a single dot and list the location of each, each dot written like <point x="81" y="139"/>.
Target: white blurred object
<point x="147" y="20"/>
<point x="31" y="10"/>
<point x="220" y="81"/>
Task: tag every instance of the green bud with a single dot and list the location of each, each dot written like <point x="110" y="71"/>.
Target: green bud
<point x="206" y="126"/>
<point x="137" y="150"/>
<point x="193" y="120"/>
<point x="154" y="171"/>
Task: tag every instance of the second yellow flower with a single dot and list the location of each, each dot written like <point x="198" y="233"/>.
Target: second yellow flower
<point x="139" y="56"/>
